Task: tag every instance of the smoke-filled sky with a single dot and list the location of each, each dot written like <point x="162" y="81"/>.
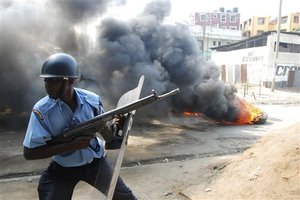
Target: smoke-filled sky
<point x="113" y="60"/>
<point x="181" y="9"/>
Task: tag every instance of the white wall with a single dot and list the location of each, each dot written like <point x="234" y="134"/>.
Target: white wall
<point x="259" y="60"/>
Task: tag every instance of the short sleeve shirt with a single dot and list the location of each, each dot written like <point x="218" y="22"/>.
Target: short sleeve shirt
<point x="50" y="117"/>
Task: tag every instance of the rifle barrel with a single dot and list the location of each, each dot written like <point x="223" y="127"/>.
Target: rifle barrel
<point x="96" y="121"/>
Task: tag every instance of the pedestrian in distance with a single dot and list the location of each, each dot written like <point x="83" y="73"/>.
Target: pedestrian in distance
<point x="81" y="159"/>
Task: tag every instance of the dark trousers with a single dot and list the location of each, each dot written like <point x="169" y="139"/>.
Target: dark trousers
<point x="57" y="182"/>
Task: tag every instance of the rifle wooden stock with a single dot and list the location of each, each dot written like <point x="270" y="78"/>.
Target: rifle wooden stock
<point x="97" y="123"/>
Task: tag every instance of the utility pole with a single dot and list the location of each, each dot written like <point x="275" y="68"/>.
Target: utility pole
<point x="277" y="45"/>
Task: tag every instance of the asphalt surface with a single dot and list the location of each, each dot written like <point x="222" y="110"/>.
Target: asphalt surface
<point x="159" y="154"/>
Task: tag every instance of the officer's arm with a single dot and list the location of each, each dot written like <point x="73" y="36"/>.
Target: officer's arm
<point x="47" y="151"/>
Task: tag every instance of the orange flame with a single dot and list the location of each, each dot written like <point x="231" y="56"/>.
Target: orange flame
<point x="191" y="114"/>
<point x="249" y="114"/>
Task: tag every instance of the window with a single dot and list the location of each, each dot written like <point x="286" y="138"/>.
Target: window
<point x="257" y="42"/>
<point x="233" y="18"/>
<point x="223" y="18"/>
<point x="203" y="17"/>
<point x="201" y="46"/>
<point x="287" y="47"/>
<point x="214" y="43"/>
<point x="250" y="44"/>
<point x="260" y="21"/>
<point x="215" y="16"/>
<point x="249" y="22"/>
<point x="261" y="42"/>
<point x="296" y="19"/>
<point x="219" y="43"/>
<point x="283" y="20"/>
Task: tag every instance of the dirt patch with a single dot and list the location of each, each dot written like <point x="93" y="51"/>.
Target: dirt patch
<point x="268" y="170"/>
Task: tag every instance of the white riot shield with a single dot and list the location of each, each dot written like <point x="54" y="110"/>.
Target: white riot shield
<point x="128" y="97"/>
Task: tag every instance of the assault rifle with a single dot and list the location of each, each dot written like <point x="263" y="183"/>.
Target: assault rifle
<point x="97" y="123"/>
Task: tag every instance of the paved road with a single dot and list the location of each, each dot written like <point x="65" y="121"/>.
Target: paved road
<point x="160" y="157"/>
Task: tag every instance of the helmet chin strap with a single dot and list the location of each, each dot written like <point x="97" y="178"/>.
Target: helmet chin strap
<point x="62" y="88"/>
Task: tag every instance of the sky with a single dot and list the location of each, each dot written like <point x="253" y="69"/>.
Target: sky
<point x="181" y="9"/>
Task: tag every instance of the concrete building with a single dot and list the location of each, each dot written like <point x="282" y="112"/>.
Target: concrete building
<point x="217" y="28"/>
<point x="258" y="25"/>
<point x="253" y="60"/>
<point x="229" y="19"/>
<point x="210" y="37"/>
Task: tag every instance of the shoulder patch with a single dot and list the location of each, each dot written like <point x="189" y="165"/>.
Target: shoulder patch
<point x="38" y="114"/>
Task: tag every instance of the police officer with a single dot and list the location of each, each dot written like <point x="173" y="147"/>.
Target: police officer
<point x="80" y="159"/>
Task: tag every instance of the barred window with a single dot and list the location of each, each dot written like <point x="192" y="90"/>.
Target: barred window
<point x="223" y="18"/>
<point x="287" y="47"/>
<point x="203" y="17"/>
<point x="233" y="18"/>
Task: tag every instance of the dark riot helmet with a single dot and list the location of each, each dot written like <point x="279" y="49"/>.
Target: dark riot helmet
<point x="60" y="65"/>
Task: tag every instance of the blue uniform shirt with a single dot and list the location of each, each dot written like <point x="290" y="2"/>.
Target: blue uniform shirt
<point x="50" y="117"/>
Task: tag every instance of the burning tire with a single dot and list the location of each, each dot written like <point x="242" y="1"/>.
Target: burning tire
<point x="262" y="118"/>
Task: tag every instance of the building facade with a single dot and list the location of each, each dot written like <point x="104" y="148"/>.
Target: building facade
<point x="258" y="25"/>
<point x="229" y="19"/>
<point x="254" y="60"/>
<point x="211" y="37"/>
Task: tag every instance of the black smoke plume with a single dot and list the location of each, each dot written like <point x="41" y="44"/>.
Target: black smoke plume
<point x="168" y="56"/>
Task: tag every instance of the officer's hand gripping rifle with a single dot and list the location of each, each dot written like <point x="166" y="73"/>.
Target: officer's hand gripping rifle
<point x="98" y="123"/>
